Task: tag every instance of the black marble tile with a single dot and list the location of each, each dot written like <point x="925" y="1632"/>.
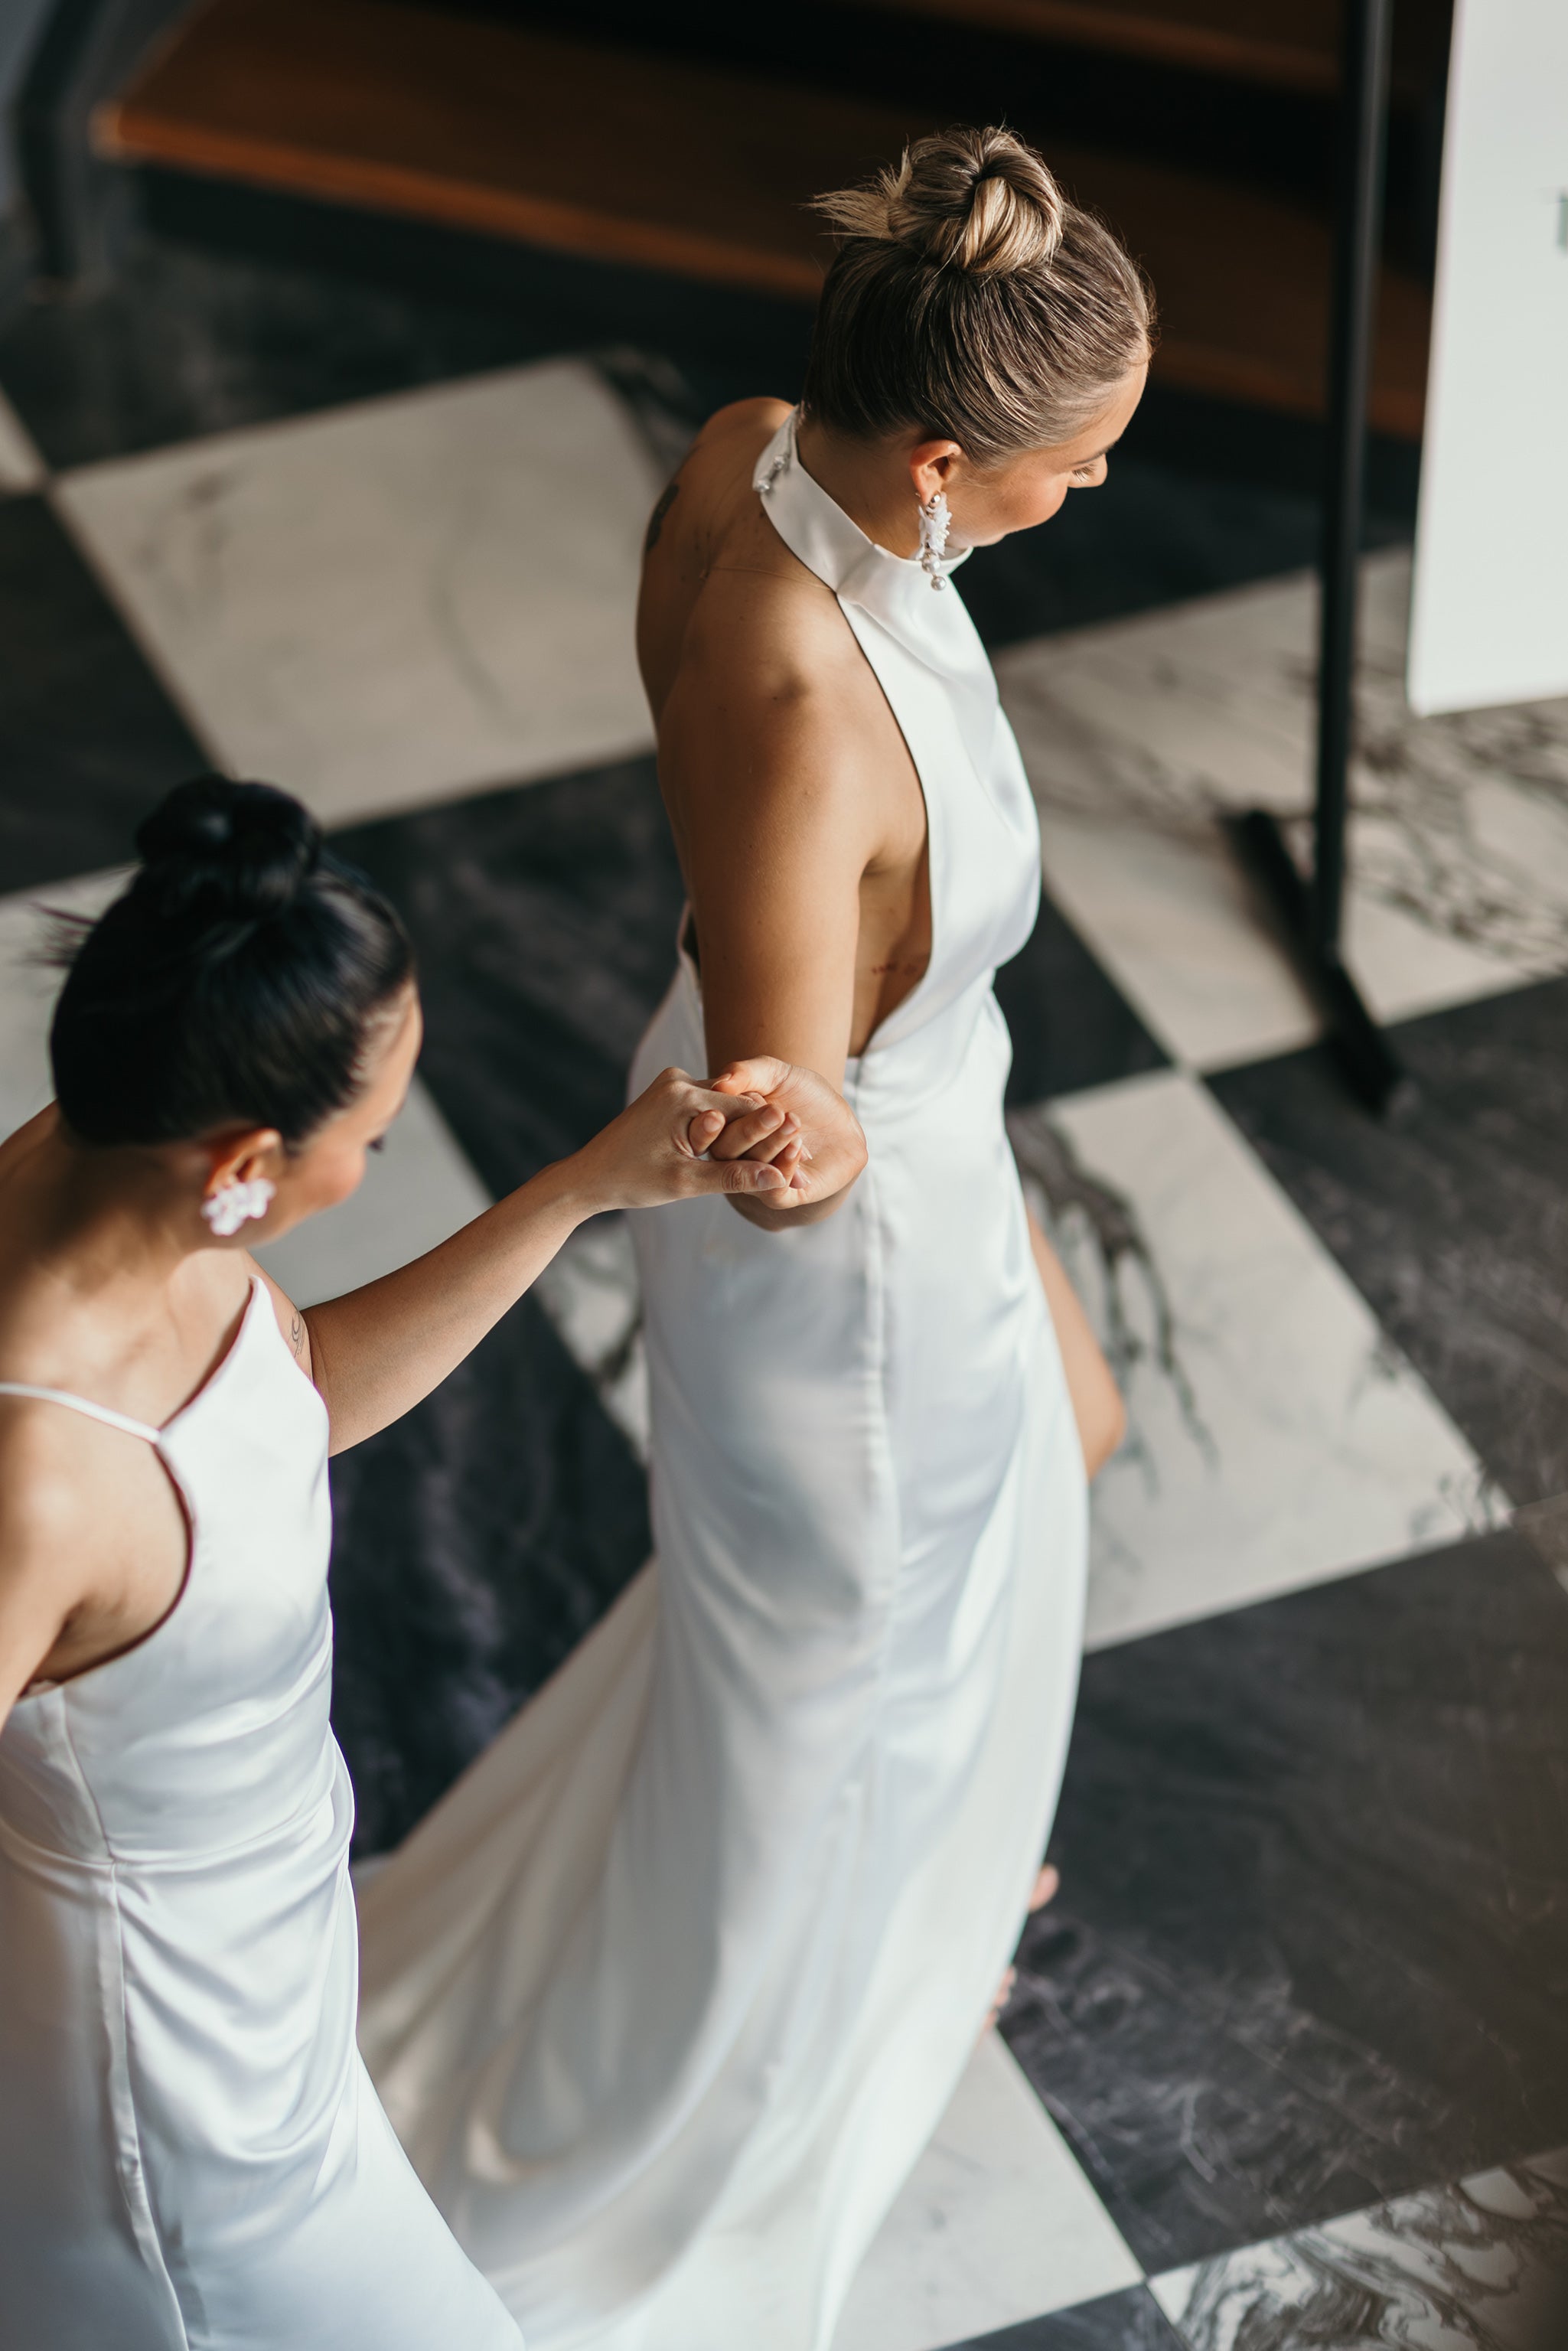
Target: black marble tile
<point x="729" y="343"/>
<point x="180" y="342"/>
<point x="1229" y="441"/>
<point x="1544" y="1526"/>
<point x="1147" y="537"/>
<point x="544" y="920"/>
<point x="1453" y="1220"/>
<point x="476" y="1541"/>
<point x="1072" y="1027"/>
<point x="1130" y="2321"/>
<point x="1480" y="2266"/>
<point x="1312" y="1945"/>
<point x="89" y="740"/>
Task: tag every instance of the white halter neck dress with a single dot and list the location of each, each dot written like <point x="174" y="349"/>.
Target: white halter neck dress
<point x="191" y="2157"/>
<point x="668" y="1994"/>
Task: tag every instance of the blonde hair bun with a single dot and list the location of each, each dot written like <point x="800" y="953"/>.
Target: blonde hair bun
<point x="969" y="298"/>
<point x="978" y="201"/>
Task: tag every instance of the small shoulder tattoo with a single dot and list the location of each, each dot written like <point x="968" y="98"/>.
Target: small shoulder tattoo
<point x="656" y="520"/>
<point x="297" y="1334"/>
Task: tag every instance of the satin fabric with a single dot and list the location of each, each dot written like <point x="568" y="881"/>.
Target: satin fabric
<point x="191" y="2157"/>
<point x="668" y="1994"/>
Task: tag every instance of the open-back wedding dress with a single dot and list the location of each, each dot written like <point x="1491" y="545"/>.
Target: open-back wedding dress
<point x="667" y="1994"/>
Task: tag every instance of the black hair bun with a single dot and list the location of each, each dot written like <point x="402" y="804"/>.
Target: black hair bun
<point x="219" y="848"/>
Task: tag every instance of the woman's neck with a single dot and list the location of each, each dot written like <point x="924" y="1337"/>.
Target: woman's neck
<point x="869" y="479"/>
<point x="95" y="1218"/>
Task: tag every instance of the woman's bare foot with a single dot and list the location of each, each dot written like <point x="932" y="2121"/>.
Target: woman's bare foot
<point x="1045" y="1886"/>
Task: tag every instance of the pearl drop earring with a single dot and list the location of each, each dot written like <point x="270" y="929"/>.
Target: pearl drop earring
<point x="935" y="524"/>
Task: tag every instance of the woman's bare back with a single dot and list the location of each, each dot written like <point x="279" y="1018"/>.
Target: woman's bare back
<point x="796" y="808"/>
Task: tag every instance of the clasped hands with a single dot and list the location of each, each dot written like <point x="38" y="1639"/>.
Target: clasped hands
<point x="816" y="1143"/>
<point x="778" y="1140"/>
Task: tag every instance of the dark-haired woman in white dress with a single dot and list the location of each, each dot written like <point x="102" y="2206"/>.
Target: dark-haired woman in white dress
<point x="191" y="2157"/>
<point x="667" y="1995"/>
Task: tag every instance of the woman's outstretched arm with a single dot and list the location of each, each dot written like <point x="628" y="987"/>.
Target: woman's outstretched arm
<point x="377" y="1352"/>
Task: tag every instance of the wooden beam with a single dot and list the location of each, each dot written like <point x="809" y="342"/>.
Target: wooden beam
<point x="1289" y="44"/>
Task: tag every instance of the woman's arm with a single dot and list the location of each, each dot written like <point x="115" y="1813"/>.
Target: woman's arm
<point x="1097" y="1404"/>
<point x="41" y="1581"/>
<point x="765" y="762"/>
<point x="377" y="1352"/>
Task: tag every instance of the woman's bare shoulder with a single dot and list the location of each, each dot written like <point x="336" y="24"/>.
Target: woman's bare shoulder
<point x="714" y="483"/>
<point x="769" y="627"/>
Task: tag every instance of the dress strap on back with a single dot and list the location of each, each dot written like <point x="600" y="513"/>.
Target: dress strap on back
<point x="79" y="1404"/>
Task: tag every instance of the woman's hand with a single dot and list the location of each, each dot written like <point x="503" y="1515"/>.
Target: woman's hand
<point x="679" y="1139"/>
<point x="829" y="1148"/>
<point x="378" y="1351"/>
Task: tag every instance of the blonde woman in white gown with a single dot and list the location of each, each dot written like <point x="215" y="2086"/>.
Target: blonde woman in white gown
<point x="667" y="1997"/>
<point x="191" y="2157"/>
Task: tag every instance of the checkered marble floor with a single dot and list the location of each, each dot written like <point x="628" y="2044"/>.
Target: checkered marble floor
<point x="1287" y="2064"/>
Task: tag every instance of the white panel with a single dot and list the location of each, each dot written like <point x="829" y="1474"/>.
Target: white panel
<point x="1489" y="617"/>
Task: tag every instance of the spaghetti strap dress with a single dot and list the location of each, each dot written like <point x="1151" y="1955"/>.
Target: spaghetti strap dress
<point x="190" y="2156"/>
<point x="667" y="1995"/>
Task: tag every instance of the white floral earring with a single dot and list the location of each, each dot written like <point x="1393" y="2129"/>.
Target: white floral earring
<point x="935" y="524"/>
<point x="234" y="1204"/>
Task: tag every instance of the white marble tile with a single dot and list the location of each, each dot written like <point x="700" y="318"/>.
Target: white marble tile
<point x="21" y="468"/>
<point x="28" y="986"/>
<point x="1477" y="2266"/>
<point x="1276" y="1437"/>
<point x="997" y="2224"/>
<point x="396" y="601"/>
<point x="416" y="1193"/>
<point x="1139" y="733"/>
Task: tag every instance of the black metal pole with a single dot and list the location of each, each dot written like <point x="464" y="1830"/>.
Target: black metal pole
<point x="1363" y="107"/>
<point x="1310" y="913"/>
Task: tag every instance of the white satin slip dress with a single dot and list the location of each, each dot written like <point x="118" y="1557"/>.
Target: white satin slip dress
<point x="191" y="2157"/>
<point x="667" y="1995"/>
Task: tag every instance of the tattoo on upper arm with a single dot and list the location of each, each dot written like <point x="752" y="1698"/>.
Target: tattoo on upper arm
<point x="656" y="520"/>
<point x="297" y="1334"/>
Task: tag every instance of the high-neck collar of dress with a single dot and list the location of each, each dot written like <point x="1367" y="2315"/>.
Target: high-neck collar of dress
<point x="894" y="588"/>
